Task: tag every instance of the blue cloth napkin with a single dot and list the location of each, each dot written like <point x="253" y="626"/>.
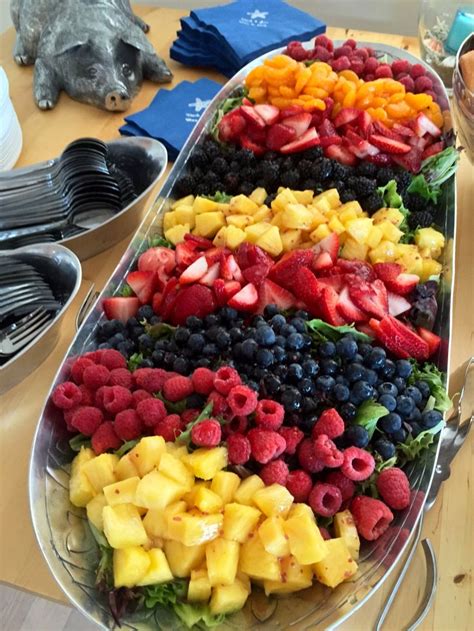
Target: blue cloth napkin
<point x="172" y="114"/>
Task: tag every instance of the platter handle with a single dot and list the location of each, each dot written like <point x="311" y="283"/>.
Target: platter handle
<point x="86" y="305"/>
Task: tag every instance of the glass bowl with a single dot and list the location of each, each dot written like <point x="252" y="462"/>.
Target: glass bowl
<point x="463" y="102"/>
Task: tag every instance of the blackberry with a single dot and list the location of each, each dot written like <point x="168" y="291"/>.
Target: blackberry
<point x="185" y="185"/>
<point x="246" y="188"/>
<point x="310" y="184"/>
<point x="211" y="149"/>
<point x="372" y="203"/>
<point x="403" y="181"/>
<point x="322" y="170"/>
<point x="415" y="202"/>
<point x="247" y="174"/>
<point x="271" y="155"/>
<point x="337" y="184"/>
<point x="290" y="179"/>
<point x="198" y="158"/>
<point x="367" y="169"/>
<point x="234" y="165"/>
<point x="245" y="157"/>
<point x="347" y="195"/>
<point x="269" y="199"/>
<point x="341" y="171"/>
<point x="315" y="153"/>
<point x="201" y="189"/>
<point x="363" y="186"/>
<point x="287" y="164"/>
<point x="231" y="182"/>
<point x="219" y="165"/>
<point x="420" y="219"/>
<point x="384" y="175"/>
<point x="305" y="168"/>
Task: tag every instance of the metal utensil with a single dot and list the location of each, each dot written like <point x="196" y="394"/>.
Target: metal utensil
<point x="21" y="333"/>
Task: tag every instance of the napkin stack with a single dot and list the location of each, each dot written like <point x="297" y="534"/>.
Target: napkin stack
<point x="229" y="36"/>
<point x="11" y="139"/>
<point x="172" y="114"/>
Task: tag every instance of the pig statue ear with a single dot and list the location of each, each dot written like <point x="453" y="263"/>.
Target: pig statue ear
<point x="67" y="40"/>
<point x="135" y="37"/>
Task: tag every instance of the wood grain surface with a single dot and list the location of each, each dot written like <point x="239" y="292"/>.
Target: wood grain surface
<point x="449" y="524"/>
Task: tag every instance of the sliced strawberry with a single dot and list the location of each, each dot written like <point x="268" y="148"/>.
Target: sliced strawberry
<point x="336" y="281"/>
<point x="185" y="254"/>
<point x="402" y="341"/>
<point x="423" y="125"/>
<point x="346" y="115"/>
<point x="156" y="302"/>
<point x="256" y="134"/>
<point x="309" y="139"/>
<point x="359" y="268"/>
<point x="256" y="274"/>
<point x="231" y="287"/>
<point x="291" y="110"/>
<point x="410" y="161"/>
<point x="211" y="275"/>
<point x="279" y="135"/>
<point x="214" y="255"/>
<point x="388" y="145"/>
<point x="370" y="297"/>
<point x="220" y="292"/>
<point x="308" y="289"/>
<point x="248" y="254"/>
<point x="251" y="115"/>
<point x="246" y="299"/>
<point x="193" y="300"/>
<point x="229" y="269"/>
<point x="272" y="294"/>
<point x="374" y="326"/>
<point x="329" y="244"/>
<point x="329" y="312"/>
<point x="433" y="149"/>
<point x="246" y="101"/>
<point x="194" y="272"/>
<point x="118" y="308"/>
<point x="231" y="126"/>
<point x="341" y="154"/>
<point x="403" y="130"/>
<point x="431" y="339"/>
<point x="283" y="273"/>
<point x="156" y="258"/>
<point x="197" y="242"/>
<point x="322" y="261"/>
<point x="365" y="123"/>
<point x="327" y="128"/>
<point x="381" y="159"/>
<point x="359" y="146"/>
<point x="419" y="143"/>
<point x="380" y="128"/>
<point x="268" y="113"/>
<point x="347" y="308"/>
<point x="299" y="122"/>
<point x="143" y="285"/>
<point x="169" y="295"/>
<point x="397" y="304"/>
<point x="363" y="327"/>
<point x="403" y="284"/>
<point x="161" y="278"/>
<point x="247" y="143"/>
<point x="327" y="141"/>
<point x="387" y="271"/>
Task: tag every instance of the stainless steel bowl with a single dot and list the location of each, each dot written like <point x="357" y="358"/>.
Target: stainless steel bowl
<point x="63" y="271"/>
<point x="463" y="102"/>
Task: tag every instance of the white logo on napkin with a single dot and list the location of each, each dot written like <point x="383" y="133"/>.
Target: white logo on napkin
<point x="199" y="105"/>
<point x="256" y="18"/>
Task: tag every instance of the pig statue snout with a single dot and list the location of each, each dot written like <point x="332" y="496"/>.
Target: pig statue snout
<point x="117" y="100"/>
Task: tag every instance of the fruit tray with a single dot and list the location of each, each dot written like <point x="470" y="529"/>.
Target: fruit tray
<point x="61" y="529"/>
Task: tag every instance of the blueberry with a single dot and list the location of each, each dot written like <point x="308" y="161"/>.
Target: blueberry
<point x="329" y="367"/>
<point x="253" y="385"/>
<point x="400" y="384"/>
<point x="325" y="382"/>
<point x="154" y="319"/>
<point x="384" y="448"/>
<point x="293" y="357"/>
<point x="271" y="384"/>
<point x="388" y="388"/>
<point x="306" y="386"/>
<point x="131" y="323"/>
<point x="348" y="411"/>
<point x="127" y="348"/>
<point x="118" y="338"/>
<point x="356" y="435"/>
<point x="307" y="341"/>
<point x="430" y="419"/>
<point x="277" y="322"/>
<point x="172" y="346"/>
<point x="361" y="391"/>
<point x="270" y="311"/>
<point x="181" y="335"/>
<point x="299" y="324"/>
<point x="294" y="341"/>
<point x="405" y="405"/>
<point x="404" y="368"/>
<point x="109" y="328"/>
<point x="264" y="357"/>
<point x="341" y="392"/>
<point x="157" y="357"/>
<point x="203" y="362"/>
<point x="414" y="393"/>
<point x="354" y="372"/>
<point x="342" y="380"/>
<point x="388" y="369"/>
<point x="310" y="367"/>
<point x="376" y="358"/>
<point x="265" y="336"/>
<point x="281" y="372"/>
<point x="145" y="313"/>
<point x="223" y="339"/>
<point x="308" y="422"/>
<point x="136" y="332"/>
<point x="415" y="429"/>
<point x="194" y="323"/>
<point x="287" y="329"/>
<point x="104" y="346"/>
<point x="161" y="345"/>
<point x="414" y="416"/>
<point x="228" y="314"/>
<point x="258" y="320"/>
<point x="304" y="315"/>
<point x="235" y="334"/>
<point x="327" y="349"/>
<point x="210" y="350"/>
<point x="295" y="373"/>
<point x="388" y="402"/>
<point x="211" y="320"/>
<point x="291" y="399"/>
<point x="196" y="342"/>
<point x="370" y="376"/>
<point x="346" y="347"/>
<point x="147" y="363"/>
<point x="195" y="401"/>
<point x="280" y="340"/>
<point x="259" y="373"/>
<point x="310" y="405"/>
<point x="168" y="360"/>
<point x="181" y="366"/>
<point x="279" y="353"/>
<point x="146" y="342"/>
<point x="249" y="348"/>
<point x="424" y="388"/>
<point x="399" y="436"/>
<point x="390" y="423"/>
<point x="364" y="349"/>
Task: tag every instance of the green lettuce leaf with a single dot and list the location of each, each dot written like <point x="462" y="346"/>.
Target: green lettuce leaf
<point x="368" y="414"/>
<point x="167" y="594"/>
<point x="126" y="447"/>
<point x="197" y="616"/>
<point x="126" y="291"/>
<point x="412" y="447"/>
<point x="172" y="408"/>
<point x="185" y="437"/>
<point x="434" y="172"/>
<point x="157" y="331"/>
<point x="436" y="380"/>
<point x="324" y="331"/>
<point x="135" y="361"/>
<point x="393" y="199"/>
<point x="159" y="241"/>
<point x="386" y="464"/>
<point x="219" y="197"/>
<point x="77" y="442"/>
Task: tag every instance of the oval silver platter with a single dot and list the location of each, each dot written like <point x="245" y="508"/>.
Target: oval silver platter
<point x="62" y="531"/>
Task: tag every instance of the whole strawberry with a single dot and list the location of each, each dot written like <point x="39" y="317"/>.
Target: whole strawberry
<point x="394" y="488"/>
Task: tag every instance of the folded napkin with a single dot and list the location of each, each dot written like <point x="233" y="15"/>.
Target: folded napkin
<point x="228" y="36"/>
<point x="172" y="114"/>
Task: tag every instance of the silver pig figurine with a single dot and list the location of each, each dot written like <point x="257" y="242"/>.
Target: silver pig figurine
<point x="95" y="50"/>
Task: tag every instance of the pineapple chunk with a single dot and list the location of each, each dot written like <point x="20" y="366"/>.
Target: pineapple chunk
<point x="155" y="521"/>
<point x="222" y="558"/>
<point x="409" y="257"/>
<point x="259" y="195"/>
<point x="354" y="250"/>
<point x="239" y="221"/>
<point x="281" y="201"/>
<point x="225" y="484"/>
<point x="94" y="511"/>
<point x="100" y="471"/>
<point x="130" y="566"/>
<point x="228" y="598"/>
<point x="359" y="229"/>
<point x="430" y="239"/>
<point x="385" y="252"/>
<point x="270" y="241"/>
<point x="263" y="214"/>
<point x="199" y="588"/>
<point x="429" y="268"/>
<point x="321" y="232"/>
<point x="147" y="453"/>
<point x="125" y="468"/>
<point x="274" y="500"/>
<point x="375" y="237"/>
<point x="183" y="559"/>
<point x="205" y="463"/>
<point x="209" y="224"/>
<point x="239" y="521"/>
<point x="321" y="206"/>
<point x="335" y="225"/>
<point x="243" y="205"/>
<point x="234" y="237"/>
<point x="393" y="215"/>
<point x="170" y="220"/>
<point x="290" y="239"/>
<point x="337" y="564"/>
<point x="219" y="239"/>
<point x="390" y="232"/>
<point x="81" y="490"/>
<point x="176" y="234"/>
<point x="304" y="197"/>
<point x="319" y="217"/>
<point x="190" y="495"/>
<point x="256" y="562"/>
<point x="183" y="201"/>
<point x="331" y="195"/>
<point x="172" y="467"/>
<point x="297" y="216"/>
<point x="345" y="528"/>
<point x="121" y="492"/>
<point x="123" y="526"/>
<point x="294" y="577"/>
<point x="192" y="530"/>
<point x="156" y="490"/>
<point x="273" y="536"/>
<point x="204" y="205"/>
<point x="178" y="451"/>
<point x="184" y="214"/>
<point x="305" y="539"/>
<point x="347" y="213"/>
<point x="158" y="570"/>
<point x="207" y="501"/>
<point x="247" y="489"/>
<point x="298" y="510"/>
<point x="255" y="231"/>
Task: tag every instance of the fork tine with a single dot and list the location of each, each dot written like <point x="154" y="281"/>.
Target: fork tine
<point x="20" y="323"/>
<point x="18" y="332"/>
<point x="34" y="333"/>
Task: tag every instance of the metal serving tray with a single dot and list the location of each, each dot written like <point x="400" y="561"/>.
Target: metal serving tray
<point x="62" y="531"/>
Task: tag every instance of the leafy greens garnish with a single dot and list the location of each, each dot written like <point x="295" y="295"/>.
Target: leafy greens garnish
<point x="185" y="437"/>
<point x="159" y="241"/>
<point x="77" y="442"/>
<point x="393" y="199"/>
<point x="435" y="379"/>
<point x="368" y="414"/>
<point x="226" y="106"/>
<point x="126" y="447"/>
<point x="126" y="291"/>
<point x="323" y="331"/>
<point x="157" y="331"/>
<point x="412" y="447"/>
<point x="219" y="197"/>
<point x="171" y="408"/>
<point x="134" y="361"/>
<point x="434" y="172"/>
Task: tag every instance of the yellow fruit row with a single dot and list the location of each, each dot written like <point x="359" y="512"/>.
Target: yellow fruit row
<point x="299" y="219"/>
<point x="170" y="513"/>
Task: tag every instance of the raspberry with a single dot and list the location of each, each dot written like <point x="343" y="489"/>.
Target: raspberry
<point x="242" y="400"/>
<point x="372" y="517"/>
<point x="325" y="499"/>
<point x="346" y="486"/>
<point x="269" y="414"/>
<point x="358" y="464"/>
<point x="128" y="425"/>
<point x="78" y="368"/>
<point x="95" y="376"/>
<point x="340" y="64"/>
<point x="299" y="484"/>
<point x="151" y="411"/>
<point x="116" y="399"/>
<point x="111" y="359"/>
<point x="408" y="83"/>
<point x="266" y="445"/>
<point x="296" y="51"/>
<point x="140" y="395"/>
<point x="329" y="423"/>
<point x="87" y="419"/>
<point x="320" y="53"/>
<point x="417" y="70"/>
<point x="238" y="449"/>
<point x="203" y="380"/>
<point x="219" y="404"/>
<point x="324" y="533"/>
<point x="94" y="356"/>
<point x="351" y="43"/>
<point x="188" y="416"/>
<point x="357" y="66"/>
<point x="360" y="53"/>
<point x="327" y="452"/>
<point x="206" y="433"/>
<point x="225" y="379"/>
<point x="68" y="414"/>
<point x="177" y="388"/>
<point x="369" y="76"/>
<point x="307" y="458"/>
<point x="394" y="487"/>
<point x="139" y="374"/>
<point x="400" y="65"/>
<point x="99" y="397"/>
<point x="293" y="436"/>
<point x="67" y="395"/>
<point x="275" y="472"/>
<point x="383" y="72"/>
<point x="169" y="427"/>
<point x="87" y="395"/>
<point x="323" y="40"/>
<point x="423" y="84"/>
<point x="237" y="425"/>
<point x="342" y="51"/>
<point x="121" y="377"/>
<point x="371" y="65"/>
<point x="152" y="380"/>
<point x="105" y="438"/>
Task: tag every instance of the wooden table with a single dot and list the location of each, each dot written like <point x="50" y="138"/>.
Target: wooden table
<point x="449" y="524"/>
